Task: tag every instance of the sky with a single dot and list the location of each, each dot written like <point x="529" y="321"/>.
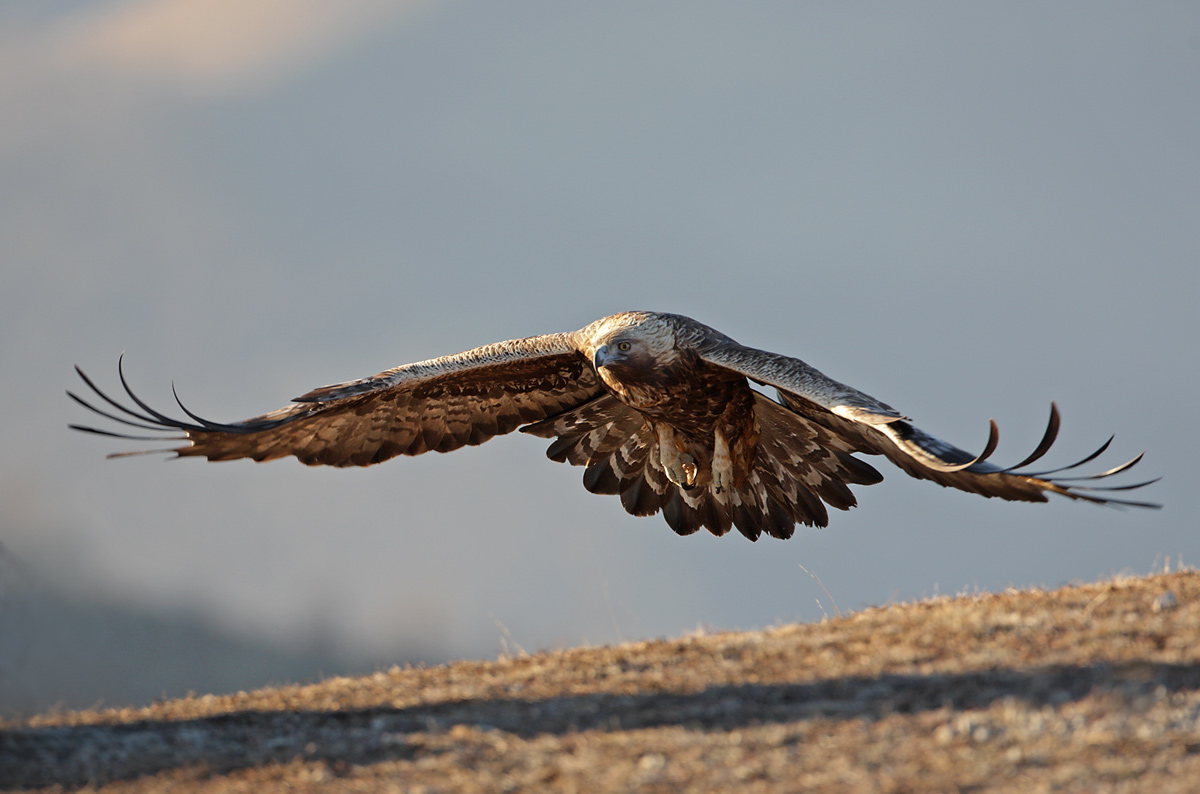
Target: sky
<point x="966" y="211"/>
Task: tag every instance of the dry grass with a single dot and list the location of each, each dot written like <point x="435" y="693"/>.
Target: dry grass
<point x="1084" y="689"/>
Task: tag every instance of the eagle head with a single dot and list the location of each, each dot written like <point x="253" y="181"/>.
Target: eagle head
<point x="630" y="351"/>
<point x="631" y="340"/>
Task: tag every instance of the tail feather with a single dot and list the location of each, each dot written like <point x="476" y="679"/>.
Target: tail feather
<point x="800" y="469"/>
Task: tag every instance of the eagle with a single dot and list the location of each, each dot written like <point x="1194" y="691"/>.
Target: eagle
<point x="658" y="409"/>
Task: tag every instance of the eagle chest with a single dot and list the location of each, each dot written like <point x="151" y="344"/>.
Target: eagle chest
<point x="689" y="396"/>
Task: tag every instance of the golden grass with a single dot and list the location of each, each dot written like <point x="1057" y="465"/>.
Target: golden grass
<point x="1086" y="688"/>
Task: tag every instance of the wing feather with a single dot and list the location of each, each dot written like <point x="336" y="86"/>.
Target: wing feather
<point x="436" y="405"/>
<point x="865" y="424"/>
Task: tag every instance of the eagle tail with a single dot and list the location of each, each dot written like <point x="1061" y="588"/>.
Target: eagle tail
<point x="799" y="468"/>
<point x="619" y="448"/>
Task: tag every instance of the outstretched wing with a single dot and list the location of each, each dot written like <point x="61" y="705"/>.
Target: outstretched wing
<point x="440" y="404"/>
<point x="874" y="427"/>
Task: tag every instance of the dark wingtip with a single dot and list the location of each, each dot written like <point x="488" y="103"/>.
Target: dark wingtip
<point x="1072" y="486"/>
<point x="149" y="420"/>
<point x="1047" y="441"/>
<point x="988" y="449"/>
<point x="208" y="424"/>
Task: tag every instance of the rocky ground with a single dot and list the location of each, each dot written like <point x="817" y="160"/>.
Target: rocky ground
<point x="1094" y="688"/>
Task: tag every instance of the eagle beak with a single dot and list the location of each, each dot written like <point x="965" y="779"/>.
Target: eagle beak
<point x="601" y="357"/>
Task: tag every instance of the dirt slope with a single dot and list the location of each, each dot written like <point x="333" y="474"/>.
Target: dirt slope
<point x="1091" y="689"/>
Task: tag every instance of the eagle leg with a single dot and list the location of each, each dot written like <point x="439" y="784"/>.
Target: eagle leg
<point x="722" y="464"/>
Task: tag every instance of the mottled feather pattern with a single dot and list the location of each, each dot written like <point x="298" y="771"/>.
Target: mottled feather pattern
<point x="799" y="465"/>
<point x="370" y="428"/>
<point x="436" y="405"/>
<point x="609" y="395"/>
<point x="591" y="430"/>
<point x="499" y="364"/>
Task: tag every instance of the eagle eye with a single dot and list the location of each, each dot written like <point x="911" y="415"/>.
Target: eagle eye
<point x="624" y="347"/>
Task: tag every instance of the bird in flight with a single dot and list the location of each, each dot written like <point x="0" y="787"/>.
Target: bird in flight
<point x="659" y="410"/>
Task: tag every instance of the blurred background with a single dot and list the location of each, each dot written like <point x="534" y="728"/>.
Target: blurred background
<point x="964" y="210"/>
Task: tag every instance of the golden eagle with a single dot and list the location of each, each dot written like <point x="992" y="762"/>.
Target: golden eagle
<point x="658" y="409"/>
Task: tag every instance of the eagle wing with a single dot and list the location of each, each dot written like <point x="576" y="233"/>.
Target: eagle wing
<point x="441" y="404"/>
<point x="874" y="427"/>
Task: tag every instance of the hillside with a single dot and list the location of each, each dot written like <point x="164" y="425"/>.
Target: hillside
<point x="1089" y="688"/>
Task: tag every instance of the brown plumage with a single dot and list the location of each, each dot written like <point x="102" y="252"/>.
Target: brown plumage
<point x="657" y="407"/>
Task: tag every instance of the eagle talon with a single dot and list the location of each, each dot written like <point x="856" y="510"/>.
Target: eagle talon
<point x="681" y="470"/>
<point x="690" y="471"/>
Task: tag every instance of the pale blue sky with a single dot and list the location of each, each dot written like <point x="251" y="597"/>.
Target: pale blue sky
<point x="963" y="210"/>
